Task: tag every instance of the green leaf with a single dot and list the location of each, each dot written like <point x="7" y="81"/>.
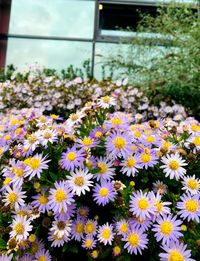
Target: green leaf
<point x="73" y="249"/>
<point x="54" y="177"/>
<point x="3" y="244"/>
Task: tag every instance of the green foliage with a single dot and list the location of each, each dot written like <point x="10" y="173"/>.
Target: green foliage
<point x="164" y="56"/>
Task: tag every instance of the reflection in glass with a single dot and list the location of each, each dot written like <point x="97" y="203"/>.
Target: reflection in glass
<point x="66" y="18"/>
<point x="48" y="53"/>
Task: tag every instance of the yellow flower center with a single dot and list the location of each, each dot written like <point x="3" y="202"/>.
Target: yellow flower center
<point x="88" y="243"/>
<point x="174" y="165"/>
<point x="54" y="116"/>
<point x="22" y="212"/>
<point x="1" y="151"/>
<point x="124" y="228"/>
<point x="175" y="256"/>
<point x="60" y="195"/>
<point x="74" y="117"/>
<point x="79" y="181"/>
<point x="196" y="141"/>
<point x="133" y="239"/>
<point x="106" y="99"/>
<point x="195" y="127"/>
<point x="19" y="229"/>
<point x="87" y="142"/>
<point x="32" y="138"/>
<point x="117" y="250"/>
<point x="34" y="163"/>
<point x="43" y="200"/>
<point x="47" y="135"/>
<point x="143" y="204"/>
<point x="130" y="163"/>
<point x="158" y="205"/>
<point x="95" y="254"/>
<point x="98" y="134"/>
<point x="34" y="248"/>
<point x="19" y="172"/>
<point x="79" y="228"/>
<point x="71" y="156"/>
<point x="150" y="139"/>
<point x="120" y="143"/>
<point x="145" y="158"/>
<point x="58" y="238"/>
<point x="103" y="192"/>
<point x="6" y="181"/>
<point x="192" y="184"/>
<point x="82" y="212"/>
<point x="137" y="133"/>
<point x="32" y="237"/>
<point x="89" y="227"/>
<point x="106" y="233"/>
<point x="103" y="167"/>
<point x="12" y="197"/>
<point x="7" y="137"/>
<point x="191" y="205"/>
<point x="116" y="121"/>
<point x="43" y="119"/>
<point x="42" y="258"/>
<point x="166" y="228"/>
<point x="17" y="131"/>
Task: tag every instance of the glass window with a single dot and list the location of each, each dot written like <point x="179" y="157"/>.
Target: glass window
<point x="48" y="53"/>
<point x="64" y="18"/>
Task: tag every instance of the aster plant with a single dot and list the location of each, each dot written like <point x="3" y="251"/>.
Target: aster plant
<point x="103" y="184"/>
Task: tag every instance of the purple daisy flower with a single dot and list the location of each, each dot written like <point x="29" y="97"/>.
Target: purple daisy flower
<point x="135" y="240"/>
<point x="142" y="225"/>
<point x="35" y="166"/>
<point x="82" y="212"/>
<point x="141" y="205"/>
<point x="106" y="171"/>
<point x="42" y="255"/>
<point x="60" y="197"/>
<point x="89" y="242"/>
<point x="40" y="201"/>
<point x="130" y="165"/>
<point x="105" y="234"/>
<point x="72" y="158"/>
<point x="118" y="144"/>
<point x="63" y="216"/>
<point x="97" y="133"/>
<point x="87" y="142"/>
<point x="77" y="231"/>
<point x="148" y="158"/>
<point x="190" y="207"/>
<point x="167" y="229"/>
<point x="176" y="251"/>
<point x="104" y="192"/>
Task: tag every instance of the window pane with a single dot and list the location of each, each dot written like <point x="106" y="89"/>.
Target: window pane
<point x="48" y="53"/>
<point x="66" y="18"/>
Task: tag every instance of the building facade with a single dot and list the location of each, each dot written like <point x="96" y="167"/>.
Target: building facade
<point x="58" y="33"/>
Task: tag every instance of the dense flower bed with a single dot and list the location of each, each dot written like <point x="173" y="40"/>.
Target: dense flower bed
<point x="63" y="96"/>
<point x="106" y="183"/>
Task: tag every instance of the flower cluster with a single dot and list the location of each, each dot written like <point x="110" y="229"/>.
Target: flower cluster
<point x="104" y="182"/>
<point x="62" y="95"/>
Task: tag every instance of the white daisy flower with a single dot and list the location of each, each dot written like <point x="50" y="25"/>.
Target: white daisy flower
<point x="106" y="102"/>
<point x="191" y="184"/>
<point x="32" y="141"/>
<point x="79" y="181"/>
<point x="61" y="228"/>
<point x="35" y="165"/>
<point x="21" y="226"/>
<point x="14" y="196"/>
<point x="173" y="166"/>
<point x="48" y="135"/>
